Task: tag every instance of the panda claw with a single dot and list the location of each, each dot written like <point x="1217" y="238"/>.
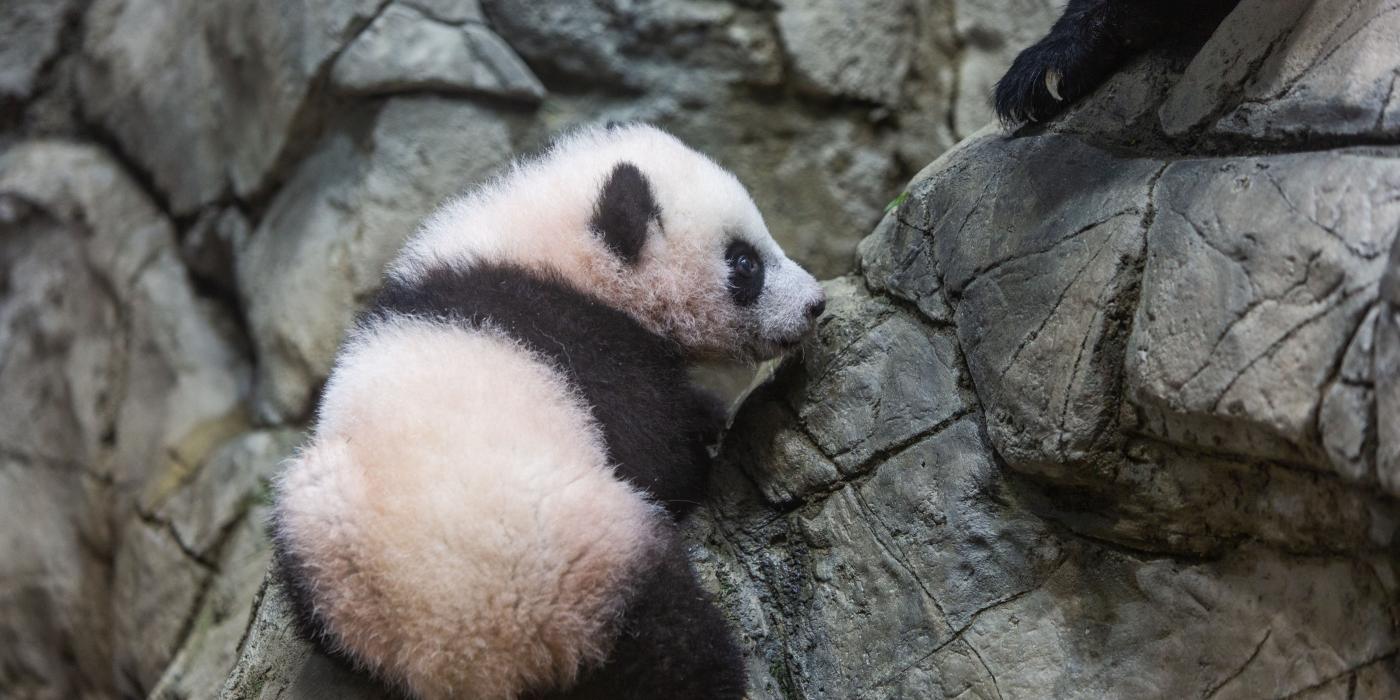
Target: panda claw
<point x="1052" y="83"/>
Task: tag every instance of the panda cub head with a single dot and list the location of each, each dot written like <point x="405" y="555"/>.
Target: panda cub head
<point x="638" y="219"/>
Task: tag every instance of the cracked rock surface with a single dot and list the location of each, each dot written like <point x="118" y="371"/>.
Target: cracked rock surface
<point x="1160" y="458"/>
<point x="196" y="196"/>
<point x="1105" y="407"/>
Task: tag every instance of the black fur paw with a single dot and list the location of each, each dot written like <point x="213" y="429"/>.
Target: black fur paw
<point x="1042" y="81"/>
<point x="1050" y="75"/>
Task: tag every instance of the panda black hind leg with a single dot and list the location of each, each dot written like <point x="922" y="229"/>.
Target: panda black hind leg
<point x="1087" y="43"/>
<point x="673" y="642"/>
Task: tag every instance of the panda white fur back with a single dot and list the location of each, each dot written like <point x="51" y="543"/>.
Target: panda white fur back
<point x="424" y="487"/>
<point x="487" y="506"/>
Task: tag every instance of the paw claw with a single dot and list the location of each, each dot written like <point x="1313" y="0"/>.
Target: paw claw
<point x="1052" y="83"/>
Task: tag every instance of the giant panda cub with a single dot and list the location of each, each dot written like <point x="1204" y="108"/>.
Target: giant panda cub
<point x="487" y="507"/>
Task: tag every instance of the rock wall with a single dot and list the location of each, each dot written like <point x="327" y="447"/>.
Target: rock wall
<point x="1108" y="408"/>
<point x="196" y="194"/>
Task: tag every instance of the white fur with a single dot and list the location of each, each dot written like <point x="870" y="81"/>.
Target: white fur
<point x="455" y="510"/>
<point x="458" y="515"/>
<point x="537" y="215"/>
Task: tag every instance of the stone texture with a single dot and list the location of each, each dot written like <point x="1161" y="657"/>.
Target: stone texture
<point x="220" y="517"/>
<point x="861" y="50"/>
<point x="223" y="122"/>
<point x="115" y="377"/>
<point x="326" y="238"/>
<point x="1041" y="301"/>
<point x="29" y="37"/>
<point x="1386" y="371"/>
<point x="1108" y="409"/>
<point x="275" y="662"/>
<point x="405" y="49"/>
<point x="682" y="46"/>
<point x="451" y="11"/>
<point x="208" y="247"/>
<point x="935" y="573"/>
<point x="1258" y="275"/>
<point x="188" y="568"/>
<point x="1294" y="70"/>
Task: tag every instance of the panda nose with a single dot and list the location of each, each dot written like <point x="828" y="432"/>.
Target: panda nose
<point x="816" y="308"/>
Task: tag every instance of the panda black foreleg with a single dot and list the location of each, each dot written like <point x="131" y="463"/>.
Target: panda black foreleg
<point x="673" y="643"/>
<point x="1081" y="49"/>
<point x="1087" y="43"/>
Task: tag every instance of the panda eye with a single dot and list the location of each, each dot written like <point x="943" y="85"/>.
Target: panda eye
<point x="745" y="272"/>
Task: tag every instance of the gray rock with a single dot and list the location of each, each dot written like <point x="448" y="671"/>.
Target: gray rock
<point x="690" y="47"/>
<point x="1258" y="274"/>
<point x="1388" y="396"/>
<point x="158" y="586"/>
<point x="53" y="592"/>
<point x="1292" y="70"/>
<point x="897" y="259"/>
<point x="865" y="393"/>
<point x="405" y="49"/>
<point x="1386" y="371"/>
<point x="219" y="518"/>
<point x="210" y="646"/>
<point x="225" y="120"/>
<point x="147" y="342"/>
<point x="1043" y="277"/>
<point x="861" y="50"/>
<point x="931" y="575"/>
<point x="1346" y="420"/>
<point x="452" y="11"/>
<point x="323" y="244"/>
<point x="117" y="380"/>
<point x="207" y="248"/>
<point x="189" y="567"/>
<point x="275" y="663"/>
<point x="29" y="37"/>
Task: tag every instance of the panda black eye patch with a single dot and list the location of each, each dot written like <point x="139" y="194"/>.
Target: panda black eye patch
<point x="745" y="272"/>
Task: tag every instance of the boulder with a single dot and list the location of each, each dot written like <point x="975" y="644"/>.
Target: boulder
<point x="405" y="48"/>
<point x="30" y="31"/>
<point x="327" y="236"/>
<point x="1107" y="411"/>
<point x="117" y="381"/>
<point x="222" y="123"/>
<point x="1294" y="70"/>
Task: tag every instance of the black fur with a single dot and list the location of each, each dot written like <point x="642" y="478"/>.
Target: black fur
<point x="624" y="210"/>
<point x="656" y="424"/>
<point x="1087" y="43"/>
<point x="298" y="587"/>
<point x="673" y="644"/>
<point x="745" y="283"/>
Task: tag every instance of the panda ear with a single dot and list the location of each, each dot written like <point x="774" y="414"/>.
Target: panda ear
<point x="624" y="212"/>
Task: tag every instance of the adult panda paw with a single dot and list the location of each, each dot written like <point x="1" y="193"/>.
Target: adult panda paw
<point x="1052" y="74"/>
<point x="1090" y="40"/>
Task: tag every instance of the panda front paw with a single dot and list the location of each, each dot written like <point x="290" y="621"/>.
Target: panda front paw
<point x="1052" y="74"/>
<point x="1041" y="82"/>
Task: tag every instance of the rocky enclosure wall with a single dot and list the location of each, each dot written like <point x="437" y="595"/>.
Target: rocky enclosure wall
<point x="195" y="194"/>
<point x="1108" y="408"/>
